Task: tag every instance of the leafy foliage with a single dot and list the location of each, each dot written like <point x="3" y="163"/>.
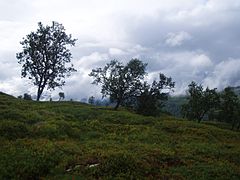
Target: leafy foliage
<point x="151" y="99"/>
<point x="229" y="110"/>
<point x="200" y="102"/>
<point x="91" y="100"/>
<point x="125" y="85"/>
<point x="223" y="106"/>
<point x="27" y="96"/>
<point x="45" y="55"/>
<point x="120" y="82"/>
<point x="61" y="96"/>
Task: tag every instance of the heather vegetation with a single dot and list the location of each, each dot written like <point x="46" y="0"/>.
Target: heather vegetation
<point x="72" y="140"/>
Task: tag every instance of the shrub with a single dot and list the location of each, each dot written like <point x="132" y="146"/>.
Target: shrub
<point x="13" y="129"/>
<point x="28" y="159"/>
<point x="118" y="165"/>
<point x="27" y="96"/>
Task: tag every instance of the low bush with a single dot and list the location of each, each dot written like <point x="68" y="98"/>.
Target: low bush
<point x="13" y="129"/>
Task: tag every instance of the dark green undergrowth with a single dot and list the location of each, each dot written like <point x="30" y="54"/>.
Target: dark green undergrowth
<point x="71" y="140"/>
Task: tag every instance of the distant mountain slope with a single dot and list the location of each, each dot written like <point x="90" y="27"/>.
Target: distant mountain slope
<point x="174" y="104"/>
<point x="236" y="90"/>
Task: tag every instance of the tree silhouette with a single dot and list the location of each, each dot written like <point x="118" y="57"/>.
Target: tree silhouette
<point x="27" y="96"/>
<point x="91" y="100"/>
<point x="45" y="55"/>
<point x="229" y="108"/>
<point x="152" y="98"/>
<point x="120" y="82"/>
<point x="200" y="101"/>
<point x="61" y="96"/>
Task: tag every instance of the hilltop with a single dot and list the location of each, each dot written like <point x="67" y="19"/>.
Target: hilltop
<point x="65" y="140"/>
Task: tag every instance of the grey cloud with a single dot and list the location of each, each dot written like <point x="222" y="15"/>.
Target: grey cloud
<point x="217" y="29"/>
<point x="183" y="67"/>
<point x="14" y="10"/>
<point x="8" y="70"/>
<point x="187" y="40"/>
<point x="16" y="86"/>
<point x="224" y="74"/>
<point x="176" y="39"/>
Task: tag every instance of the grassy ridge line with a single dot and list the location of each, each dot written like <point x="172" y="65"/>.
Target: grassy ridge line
<point x="61" y="140"/>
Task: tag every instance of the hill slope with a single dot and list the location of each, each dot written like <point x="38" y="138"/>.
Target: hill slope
<point x="65" y="140"/>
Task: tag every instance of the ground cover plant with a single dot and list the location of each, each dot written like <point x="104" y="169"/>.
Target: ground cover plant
<point x="72" y="140"/>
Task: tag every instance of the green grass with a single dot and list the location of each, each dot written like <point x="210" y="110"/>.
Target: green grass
<point x="70" y="140"/>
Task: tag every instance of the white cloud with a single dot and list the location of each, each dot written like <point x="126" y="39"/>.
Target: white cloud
<point x="91" y="61"/>
<point x="116" y="51"/>
<point x="201" y="60"/>
<point x="183" y="67"/>
<point x="8" y="70"/>
<point x="224" y="74"/>
<point x="15" y="86"/>
<point x="187" y="40"/>
<point x="137" y="49"/>
<point x="176" y="39"/>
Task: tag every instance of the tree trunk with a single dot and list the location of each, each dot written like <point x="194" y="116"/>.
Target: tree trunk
<point x="201" y="116"/>
<point x="38" y="93"/>
<point x="117" y="105"/>
<point x="40" y="89"/>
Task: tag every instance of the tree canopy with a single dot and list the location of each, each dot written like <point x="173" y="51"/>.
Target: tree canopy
<point x="229" y="110"/>
<point x="45" y="56"/>
<point x="125" y="85"/>
<point x="120" y="82"/>
<point x="152" y="97"/>
<point x="200" y="101"/>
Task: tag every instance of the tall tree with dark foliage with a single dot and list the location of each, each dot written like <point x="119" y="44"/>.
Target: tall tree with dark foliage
<point x="230" y="107"/>
<point x="200" y="101"/>
<point x="120" y="82"/>
<point x="152" y="97"/>
<point x="45" y="57"/>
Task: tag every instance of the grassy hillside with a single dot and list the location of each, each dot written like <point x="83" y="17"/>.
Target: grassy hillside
<point x="70" y="140"/>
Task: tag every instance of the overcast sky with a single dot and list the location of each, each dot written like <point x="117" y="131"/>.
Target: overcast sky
<point x="186" y="39"/>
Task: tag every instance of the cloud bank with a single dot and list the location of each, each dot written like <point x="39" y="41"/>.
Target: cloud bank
<point x="187" y="40"/>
